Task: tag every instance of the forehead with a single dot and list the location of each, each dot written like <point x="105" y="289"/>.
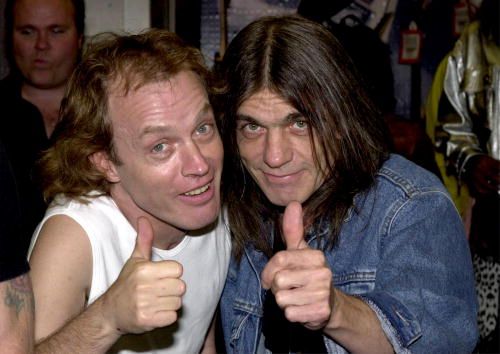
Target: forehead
<point x="179" y="96"/>
<point x="265" y="104"/>
<point x="43" y="12"/>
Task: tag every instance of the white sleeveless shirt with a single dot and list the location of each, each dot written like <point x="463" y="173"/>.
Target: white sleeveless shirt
<point x="204" y="258"/>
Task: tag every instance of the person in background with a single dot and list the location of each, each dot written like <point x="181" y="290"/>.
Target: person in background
<point x="16" y="296"/>
<point x="43" y="40"/>
<point x="338" y="246"/>
<point x="132" y="239"/>
<point x="463" y="119"/>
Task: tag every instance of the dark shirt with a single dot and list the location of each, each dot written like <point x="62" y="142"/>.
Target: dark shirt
<point x="22" y="132"/>
<point x="282" y="336"/>
<point x="12" y="255"/>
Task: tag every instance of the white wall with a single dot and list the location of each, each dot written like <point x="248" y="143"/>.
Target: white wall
<point x="117" y="16"/>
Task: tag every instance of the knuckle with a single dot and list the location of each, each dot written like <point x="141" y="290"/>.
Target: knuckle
<point x="171" y="317"/>
<point x="280" y="298"/>
<point x="280" y="258"/>
<point x="279" y="279"/>
<point x="177" y="303"/>
<point x="181" y="287"/>
<point x="290" y="314"/>
<point x="325" y="273"/>
<point x="319" y="256"/>
<point x="175" y="268"/>
<point x="141" y="318"/>
<point x="141" y="269"/>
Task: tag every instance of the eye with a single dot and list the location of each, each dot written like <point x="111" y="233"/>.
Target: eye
<point x="159" y="148"/>
<point x="204" y="129"/>
<point x="58" y="30"/>
<point x="251" y="127"/>
<point x="300" y="127"/>
<point x="250" y="130"/>
<point x="300" y="124"/>
<point x="26" y="31"/>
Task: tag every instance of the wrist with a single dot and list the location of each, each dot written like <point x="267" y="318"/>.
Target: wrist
<point x="109" y="327"/>
<point x="336" y="316"/>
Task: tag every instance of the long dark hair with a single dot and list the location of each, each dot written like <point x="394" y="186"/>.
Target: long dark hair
<point x="303" y="63"/>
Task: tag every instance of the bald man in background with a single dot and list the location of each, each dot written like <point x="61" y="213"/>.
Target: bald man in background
<point x="43" y="44"/>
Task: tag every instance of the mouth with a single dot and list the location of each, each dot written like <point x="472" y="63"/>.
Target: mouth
<point x="197" y="191"/>
<point x="40" y="63"/>
<point x="282" y="180"/>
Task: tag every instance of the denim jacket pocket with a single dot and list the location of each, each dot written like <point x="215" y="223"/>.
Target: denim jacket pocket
<point x="245" y="326"/>
<point x="355" y="283"/>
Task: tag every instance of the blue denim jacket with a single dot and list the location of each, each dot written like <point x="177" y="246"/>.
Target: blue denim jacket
<point x="402" y="250"/>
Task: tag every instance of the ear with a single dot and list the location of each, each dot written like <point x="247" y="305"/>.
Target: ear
<point x="103" y="164"/>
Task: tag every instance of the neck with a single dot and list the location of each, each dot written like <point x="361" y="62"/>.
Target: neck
<point x="166" y="236"/>
<point x="48" y="102"/>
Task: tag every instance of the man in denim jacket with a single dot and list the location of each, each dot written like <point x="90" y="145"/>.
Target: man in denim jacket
<point x="337" y="245"/>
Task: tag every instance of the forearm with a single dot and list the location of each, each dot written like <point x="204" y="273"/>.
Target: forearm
<point x="89" y="332"/>
<point x="209" y="346"/>
<point x="355" y="326"/>
<point x="16" y="316"/>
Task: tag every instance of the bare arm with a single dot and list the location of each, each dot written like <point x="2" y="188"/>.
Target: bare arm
<point x="209" y="345"/>
<point x="86" y="333"/>
<point x="145" y="296"/>
<point x="16" y="316"/>
<point x="61" y="265"/>
<point x="354" y="324"/>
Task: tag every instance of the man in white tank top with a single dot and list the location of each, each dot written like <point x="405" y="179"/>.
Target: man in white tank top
<point x="132" y="253"/>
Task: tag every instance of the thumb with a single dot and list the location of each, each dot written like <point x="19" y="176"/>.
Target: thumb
<point x="293" y="227"/>
<point x="144" y="241"/>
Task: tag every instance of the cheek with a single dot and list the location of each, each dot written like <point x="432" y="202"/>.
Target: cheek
<point x="67" y="50"/>
<point x="218" y="151"/>
<point x="250" y="151"/>
<point x="20" y="48"/>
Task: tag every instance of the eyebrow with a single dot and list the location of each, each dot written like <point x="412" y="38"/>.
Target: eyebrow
<point x="35" y="27"/>
<point x="151" y="129"/>
<point x="289" y="118"/>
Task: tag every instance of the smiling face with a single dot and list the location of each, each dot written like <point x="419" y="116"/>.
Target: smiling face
<point x="274" y="145"/>
<point x="46" y="43"/>
<point x="170" y="153"/>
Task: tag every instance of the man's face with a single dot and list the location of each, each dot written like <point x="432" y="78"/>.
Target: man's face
<point x="45" y="41"/>
<point x="273" y="140"/>
<point x="166" y="139"/>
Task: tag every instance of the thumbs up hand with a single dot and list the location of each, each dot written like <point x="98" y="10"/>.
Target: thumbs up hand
<point x="146" y="294"/>
<point x="299" y="277"/>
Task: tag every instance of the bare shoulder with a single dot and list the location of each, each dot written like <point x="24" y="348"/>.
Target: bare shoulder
<point x="61" y="240"/>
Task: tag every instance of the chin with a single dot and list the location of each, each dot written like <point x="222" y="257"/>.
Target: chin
<point x="286" y="199"/>
<point x="200" y="220"/>
<point x="280" y="201"/>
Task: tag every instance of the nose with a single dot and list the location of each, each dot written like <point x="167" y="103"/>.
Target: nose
<point x="193" y="161"/>
<point x="277" y="150"/>
<point x="42" y="41"/>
